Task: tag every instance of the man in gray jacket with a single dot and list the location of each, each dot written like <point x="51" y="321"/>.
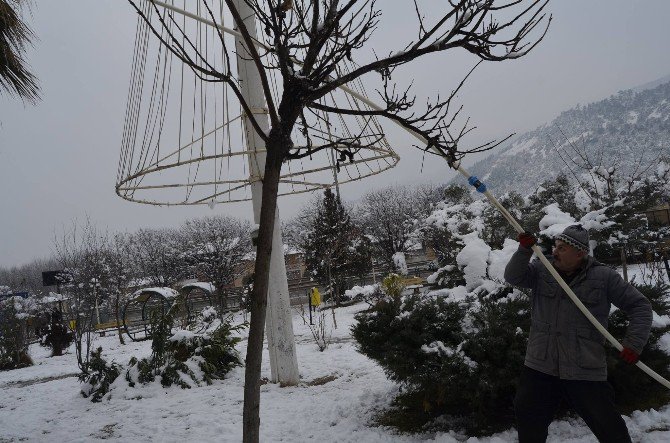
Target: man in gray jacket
<point x="565" y="357"/>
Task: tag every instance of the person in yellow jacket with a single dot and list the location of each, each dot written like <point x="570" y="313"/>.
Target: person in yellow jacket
<point x="315" y="297"/>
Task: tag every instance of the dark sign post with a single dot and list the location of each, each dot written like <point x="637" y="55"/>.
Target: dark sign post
<point x="309" y="304"/>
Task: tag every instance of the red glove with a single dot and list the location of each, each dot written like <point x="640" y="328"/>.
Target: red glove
<point x="527" y="240"/>
<point x="629" y="356"/>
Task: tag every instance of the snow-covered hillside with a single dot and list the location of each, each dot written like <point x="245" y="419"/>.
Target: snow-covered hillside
<point x="629" y="126"/>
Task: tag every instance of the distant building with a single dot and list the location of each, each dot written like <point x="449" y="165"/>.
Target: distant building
<point x="659" y="215"/>
<point x="420" y="261"/>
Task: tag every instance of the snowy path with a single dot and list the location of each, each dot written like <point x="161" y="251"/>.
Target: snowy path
<point x="42" y="403"/>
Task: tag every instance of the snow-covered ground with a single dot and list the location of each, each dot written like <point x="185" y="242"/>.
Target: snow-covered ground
<point x="42" y="403"/>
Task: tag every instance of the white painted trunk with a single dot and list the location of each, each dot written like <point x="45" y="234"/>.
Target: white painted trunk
<point x="279" y="325"/>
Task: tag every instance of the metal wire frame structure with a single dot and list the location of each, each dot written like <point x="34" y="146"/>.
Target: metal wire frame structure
<point x="139" y="309"/>
<point x="183" y="139"/>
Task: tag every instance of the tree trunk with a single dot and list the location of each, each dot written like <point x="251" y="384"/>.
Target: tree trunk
<point x="624" y="265"/>
<point x="252" y="374"/>
<point x="118" y="320"/>
<point x="667" y="266"/>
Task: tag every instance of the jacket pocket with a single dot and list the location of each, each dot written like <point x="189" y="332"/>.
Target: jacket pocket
<point x="538" y="340"/>
<point x="590" y="292"/>
<point x="547" y="286"/>
<point x="590" y="349"/>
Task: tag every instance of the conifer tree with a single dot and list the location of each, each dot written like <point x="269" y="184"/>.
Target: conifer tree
<point x="335" y="248"/>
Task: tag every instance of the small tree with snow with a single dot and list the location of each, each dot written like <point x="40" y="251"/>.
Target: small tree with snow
<point x="83" y="253"/>
<point x="400" y="263"/>
<point x="121" y="276"/>
<point x="14" y="311"/>
<point x="495" y="228"/>
<point x="183" y="357"/>
<point x="444" y="229"/>
<point x="559" y="190"/>
<point x="55" y="334"/>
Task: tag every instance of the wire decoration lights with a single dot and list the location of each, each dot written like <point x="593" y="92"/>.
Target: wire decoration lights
<point x="183" y="139"/>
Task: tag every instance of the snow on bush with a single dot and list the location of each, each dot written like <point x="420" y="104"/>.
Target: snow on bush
<point x="452" y="351"/>
<point x="361" y="291"/>
<point x="439" y="348"/>
<point x="400" y="263"/>
<point x="209" y="314"/>
<point x="437" y="276"/>
<point x="555" y="221"/>
<point x="499" y="258"/>
<point x="473" y="259"/>
<point x="182" y="357"/>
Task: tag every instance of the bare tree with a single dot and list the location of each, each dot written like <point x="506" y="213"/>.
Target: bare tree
<point x="156" y="255"/>
<point x="214" y="247"/>
<point x="83" y="253"/>
<point x="388" y="217"/>
<point x="601" y="177"/>
<point x="315" y="49"/>
<point x="122" y="274"/>
<point x="619" y="192"/>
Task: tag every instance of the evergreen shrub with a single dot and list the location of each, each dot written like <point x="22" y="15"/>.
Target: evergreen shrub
<point x="634" y="389"/>
<point x="181" y="357"/>
<point x="13" y="343"/>
<point x="186" y="358"/>
<point x="453" y="358"/>
<point x="99" y="378"/>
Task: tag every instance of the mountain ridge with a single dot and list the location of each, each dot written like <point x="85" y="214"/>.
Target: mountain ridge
<point x="627" y="128"/>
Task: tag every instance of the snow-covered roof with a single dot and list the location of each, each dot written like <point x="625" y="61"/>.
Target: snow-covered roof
<point x="165" y="292"/>
<point x="205" y="286"/>
<point x="290" y="249"/>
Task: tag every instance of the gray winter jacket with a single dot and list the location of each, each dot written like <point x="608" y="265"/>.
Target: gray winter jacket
<point x="562" y="341"/>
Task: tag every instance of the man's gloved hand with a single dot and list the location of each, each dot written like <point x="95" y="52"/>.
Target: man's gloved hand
<point x="527" y="240"/>
<point x="629" y="356"/>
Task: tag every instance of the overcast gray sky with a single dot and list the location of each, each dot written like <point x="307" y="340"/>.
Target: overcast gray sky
<point x="58" y="159"/>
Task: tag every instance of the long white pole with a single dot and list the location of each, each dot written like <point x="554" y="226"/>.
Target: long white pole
<point x="279" y="324"/>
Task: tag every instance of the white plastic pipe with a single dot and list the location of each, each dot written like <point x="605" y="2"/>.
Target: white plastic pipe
<point x="279" y="326"/>
<point x="279" y="323"/>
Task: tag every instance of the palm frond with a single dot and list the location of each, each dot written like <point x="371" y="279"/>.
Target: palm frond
<point x="15" y="37"/>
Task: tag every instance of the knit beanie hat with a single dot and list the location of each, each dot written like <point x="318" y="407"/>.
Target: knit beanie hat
<point x="576" y="236"/>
